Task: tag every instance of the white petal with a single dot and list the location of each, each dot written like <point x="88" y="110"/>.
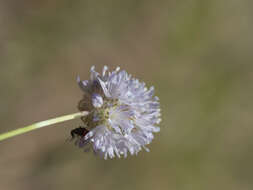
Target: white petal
<point x="103" y="86"/>
<point x="97" y="100"/>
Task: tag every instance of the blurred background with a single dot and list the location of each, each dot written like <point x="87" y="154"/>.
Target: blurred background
<point x="197" y="54"/>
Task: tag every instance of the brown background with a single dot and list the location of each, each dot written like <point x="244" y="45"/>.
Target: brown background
<point x="197" y="54"/>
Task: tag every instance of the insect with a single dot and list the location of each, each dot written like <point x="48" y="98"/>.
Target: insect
<point x="78" y="132"/>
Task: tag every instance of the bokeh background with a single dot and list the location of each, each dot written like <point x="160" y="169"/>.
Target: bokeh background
<point x="197" y="54"/>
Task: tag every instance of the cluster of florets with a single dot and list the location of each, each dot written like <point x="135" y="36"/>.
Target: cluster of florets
<point x="123" y="113"/>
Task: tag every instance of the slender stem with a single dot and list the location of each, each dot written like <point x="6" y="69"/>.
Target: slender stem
<point x="41" y="124"/>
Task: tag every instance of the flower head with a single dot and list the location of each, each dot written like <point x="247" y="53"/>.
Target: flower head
<point x="123" y="113"/>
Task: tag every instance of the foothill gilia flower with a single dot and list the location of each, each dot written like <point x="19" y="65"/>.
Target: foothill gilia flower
<point x="123" y="113"/>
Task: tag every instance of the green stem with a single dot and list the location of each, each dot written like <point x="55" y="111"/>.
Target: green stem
<point x="41" y="124"/>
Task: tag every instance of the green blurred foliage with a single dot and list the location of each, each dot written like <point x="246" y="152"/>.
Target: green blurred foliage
<point x="197" y="54"/>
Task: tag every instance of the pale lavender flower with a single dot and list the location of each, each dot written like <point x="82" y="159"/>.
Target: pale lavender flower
<point x="123" y="113"/>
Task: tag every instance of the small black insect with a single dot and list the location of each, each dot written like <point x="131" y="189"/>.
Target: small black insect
<point x="80" y="132"/>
